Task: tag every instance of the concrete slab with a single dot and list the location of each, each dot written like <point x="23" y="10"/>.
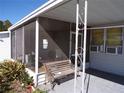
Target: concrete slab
<point x="93" y="84"/>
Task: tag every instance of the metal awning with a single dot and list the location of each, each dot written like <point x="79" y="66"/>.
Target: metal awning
<point x="100" y="12"/>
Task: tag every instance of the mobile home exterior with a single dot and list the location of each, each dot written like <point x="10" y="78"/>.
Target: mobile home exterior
<point x="5" y="45"/>
<point x="46" y="35"/>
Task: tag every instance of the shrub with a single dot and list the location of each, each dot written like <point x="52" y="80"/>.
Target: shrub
<point x="39" y="91"/>
<point x="26" y="79"/>
<point x="10" y="71"/>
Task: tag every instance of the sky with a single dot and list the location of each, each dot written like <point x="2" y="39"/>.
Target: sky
<point x="14" y="10"/>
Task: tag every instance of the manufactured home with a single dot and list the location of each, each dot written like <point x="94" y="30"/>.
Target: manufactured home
<point x="5" y="45"/>
<point x="51" y="33"/>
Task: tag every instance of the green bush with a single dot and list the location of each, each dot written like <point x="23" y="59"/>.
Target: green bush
<point x="10" y="71"/>
<point x="26" y="79"/>
<point x="39" y="91"/>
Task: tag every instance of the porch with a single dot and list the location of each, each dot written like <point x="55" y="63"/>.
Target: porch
<point x="47" y="37"/>
<point x="95" y="82"/>
<point x="45" y="40"/>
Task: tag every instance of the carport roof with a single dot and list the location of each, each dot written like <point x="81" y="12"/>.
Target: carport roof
<point x="100" y="12"/>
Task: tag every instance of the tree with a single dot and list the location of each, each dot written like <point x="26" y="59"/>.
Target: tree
<point x="4" y="25"/>
<point x="7" y="24"/>
<point x="1" y="25"/>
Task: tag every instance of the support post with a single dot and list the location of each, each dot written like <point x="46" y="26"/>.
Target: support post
<point x="84" y="46"/>
<point x="36" y="51"/>
<point x="23" y="44"/>
<point x="70" y="43"/>
<point x="76" y="45"/>
<point x="15" y="46"/>
<point x="10" y="37"/>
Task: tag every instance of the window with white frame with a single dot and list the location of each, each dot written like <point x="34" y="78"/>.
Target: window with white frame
<point x="97" y="40"/>
<point x="114" y="40"/>
<point x="107" y="40"/>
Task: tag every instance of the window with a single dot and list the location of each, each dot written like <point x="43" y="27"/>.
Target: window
<point x="97" y="40"/>
<point x="107" y="40"/>
<point x="45" y="44"/>
<point x="4" y="35"/>
<point x="114" y="40"/>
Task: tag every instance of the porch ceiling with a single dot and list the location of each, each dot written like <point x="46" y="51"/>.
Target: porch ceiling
<point x="100" y="12"/>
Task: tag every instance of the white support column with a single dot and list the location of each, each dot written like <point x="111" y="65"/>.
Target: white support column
<point x="10" y="37"/>
<point x="84" y="46"/>
<point x="15" y="46"/>
<point x="23" y="44"/>
<point x="122" y="41"/>
<point x="70" y="43"/>
<point x="76" y="45"/>
<point x="105" y="38"/>
<point x="36" y="51"/>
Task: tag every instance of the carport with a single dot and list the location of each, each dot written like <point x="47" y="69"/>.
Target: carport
<point x="95" y="14"/>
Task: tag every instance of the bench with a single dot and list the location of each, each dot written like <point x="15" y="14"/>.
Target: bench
<point x="58" y="70"/>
